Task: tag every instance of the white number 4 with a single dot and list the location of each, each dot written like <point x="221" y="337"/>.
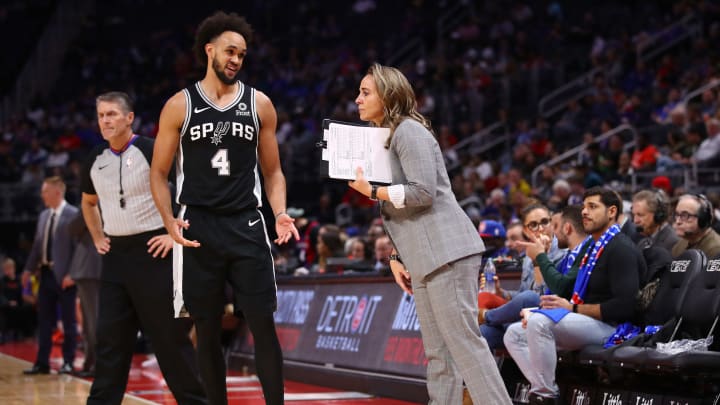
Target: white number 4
<point x="220" y="161"/>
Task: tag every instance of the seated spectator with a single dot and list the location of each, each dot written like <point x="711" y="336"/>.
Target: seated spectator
<point x="571" y="236"/>
<point x="692" y="220"/>
<point x="650" y="213"/>
<point x="497" y="310"/>
<point x="513" y="235"/>
<point x="330" y="243"/>
<point x="662" y="114"/>
<point x="603" y="296"/>
<point x="16" y="316"/>
<point x="610" y="156"/>
<point x="708" y="154"/>
<point x="496" y="205"/>
<point x="662" y="183"/>
<point x="627" y="226"/>
<point x="493" y="235"/>
<point x="560" y="194"/>
<point x="645" y="155"/>
<point x="625" y="171"/>
<point x="383" y="249"/>
<point x="682" y="148"/>
<point x="356" y="248"/>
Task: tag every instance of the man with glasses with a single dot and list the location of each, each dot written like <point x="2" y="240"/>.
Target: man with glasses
<point x="692" y="221"/>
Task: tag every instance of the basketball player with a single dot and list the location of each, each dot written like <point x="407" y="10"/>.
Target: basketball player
<point x="223" y="131"/>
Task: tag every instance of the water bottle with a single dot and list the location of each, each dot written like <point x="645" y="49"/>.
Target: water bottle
<point x="489" y="272"/>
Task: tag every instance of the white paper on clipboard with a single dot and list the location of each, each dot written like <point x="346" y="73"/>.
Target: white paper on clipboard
<point x="350" y="146"/>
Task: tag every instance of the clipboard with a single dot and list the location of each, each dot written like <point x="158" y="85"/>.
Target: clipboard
<point x="347" y="146"/>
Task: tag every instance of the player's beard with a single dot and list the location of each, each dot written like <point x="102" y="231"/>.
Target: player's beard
<point x="221" y="74"/>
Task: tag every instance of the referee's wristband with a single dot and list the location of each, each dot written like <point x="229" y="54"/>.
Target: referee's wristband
<point x="280" y="213"/>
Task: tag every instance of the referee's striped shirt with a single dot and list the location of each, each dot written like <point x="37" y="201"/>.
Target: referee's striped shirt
<point x="121" y="180"/>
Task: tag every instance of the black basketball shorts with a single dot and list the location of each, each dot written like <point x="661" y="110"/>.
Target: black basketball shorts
<point x="234" y="248"/>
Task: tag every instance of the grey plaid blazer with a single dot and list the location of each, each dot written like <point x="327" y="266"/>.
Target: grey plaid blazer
<point x="431" y="230"/>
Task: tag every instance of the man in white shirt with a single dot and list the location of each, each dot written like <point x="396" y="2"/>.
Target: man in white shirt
<point x="709" y="149"/>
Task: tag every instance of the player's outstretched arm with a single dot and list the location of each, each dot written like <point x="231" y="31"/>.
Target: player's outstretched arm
<point x="166" y="144"/>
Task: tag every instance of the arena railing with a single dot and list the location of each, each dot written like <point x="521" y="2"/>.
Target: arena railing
<point x="575" y="152"/>
<point x="687" y="27"/>
<point x="700" y="90"/>
<point x="479" y="142"/>
<point x="556" y="101"/>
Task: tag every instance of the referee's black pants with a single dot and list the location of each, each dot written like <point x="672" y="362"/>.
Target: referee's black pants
<point x="136" y="293"/>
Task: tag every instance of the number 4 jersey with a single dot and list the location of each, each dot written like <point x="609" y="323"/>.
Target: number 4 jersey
<point x="217" y="164"/>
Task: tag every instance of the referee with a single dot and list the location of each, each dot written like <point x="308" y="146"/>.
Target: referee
<point x="136" y="289"/>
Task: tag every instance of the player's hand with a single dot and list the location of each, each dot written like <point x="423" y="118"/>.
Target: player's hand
<point x="402" y="277"/>
<point x="175" y="232"/>
<point x="160" y="245"/>
<point x="102" y="245"/>
<point x="360" y="183"/>
<point x="285" y="228"/>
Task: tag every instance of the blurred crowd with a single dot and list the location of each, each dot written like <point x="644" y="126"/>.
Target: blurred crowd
<point x="491" y="63"/>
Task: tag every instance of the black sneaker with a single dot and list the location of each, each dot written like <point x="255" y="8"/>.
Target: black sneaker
<point x="37" y="369"/>
<point x="66" y="369"/>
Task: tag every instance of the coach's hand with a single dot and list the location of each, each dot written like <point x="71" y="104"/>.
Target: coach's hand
<point x="402" y="276"/>
<point x="175" y="231"/>
<point x="285" y="228"/>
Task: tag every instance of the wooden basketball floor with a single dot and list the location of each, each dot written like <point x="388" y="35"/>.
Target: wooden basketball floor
<point x="145" y="385"/>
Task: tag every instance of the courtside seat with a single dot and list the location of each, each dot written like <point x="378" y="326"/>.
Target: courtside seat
<point x="674" y="282"/>
<point x="702" y="323"/>
<point x="695" y="318"/>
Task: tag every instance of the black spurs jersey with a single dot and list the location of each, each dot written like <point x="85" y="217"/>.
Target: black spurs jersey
<point x="217" y="164"/>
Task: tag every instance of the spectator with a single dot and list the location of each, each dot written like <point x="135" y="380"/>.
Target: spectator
<point x="356" y="248"/>
<point x="330" y="243"/>
<point x="496" y="205"/>
<point x="708" y="154"/>
<point x="692" y="221"/>
<point x="603" y="296"/>
<point x="627" y="226"/>
<point x="16" y="316"/>
<point x="650" y="213"/>
<point x="645" y="155"/>
<point x="383" y="249"/>
<point x="498" y="310"/>
<point x="560" y="194"/>
<point x="513" y="236"/>
<point x="662" y="183"/>
<point x="493" y="235"/>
